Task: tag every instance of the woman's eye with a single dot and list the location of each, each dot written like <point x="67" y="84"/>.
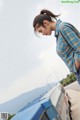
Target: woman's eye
<point x="40" y="31"/>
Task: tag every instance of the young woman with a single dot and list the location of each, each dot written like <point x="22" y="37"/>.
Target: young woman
<point x="67" y="39"/>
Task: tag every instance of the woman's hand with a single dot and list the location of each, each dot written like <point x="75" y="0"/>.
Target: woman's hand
<point x="77" y="63"/>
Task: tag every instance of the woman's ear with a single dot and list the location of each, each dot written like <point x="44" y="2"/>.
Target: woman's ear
<point x="45" y="23"/>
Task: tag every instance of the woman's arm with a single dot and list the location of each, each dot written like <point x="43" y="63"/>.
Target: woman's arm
<point x="74" y="41"/>
<point x="77" y="63"/>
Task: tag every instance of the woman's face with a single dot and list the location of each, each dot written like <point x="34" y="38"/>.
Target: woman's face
<point x="45" y="29"/>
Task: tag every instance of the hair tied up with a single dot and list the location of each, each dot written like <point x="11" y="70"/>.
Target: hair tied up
<point x="49" y="13"/>
<point x="43" y="12"/>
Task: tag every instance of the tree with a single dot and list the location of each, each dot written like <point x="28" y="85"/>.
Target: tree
<point x="69" y="79"/>
<point x="10" y="116"/>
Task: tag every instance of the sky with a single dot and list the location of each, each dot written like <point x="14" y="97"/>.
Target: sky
<point x="27" y="61"/>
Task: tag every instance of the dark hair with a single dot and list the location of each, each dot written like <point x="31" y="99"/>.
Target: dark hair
<point x="44" y="15"/>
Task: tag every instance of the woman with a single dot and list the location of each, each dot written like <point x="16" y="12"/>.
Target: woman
<point x="67" y="39"/>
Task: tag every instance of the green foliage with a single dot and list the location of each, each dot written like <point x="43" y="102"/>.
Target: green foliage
<point x="10" y="116"/>
<point x="68" y="80"/>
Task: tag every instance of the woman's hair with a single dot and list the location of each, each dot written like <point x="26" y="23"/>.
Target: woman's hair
<point x="44" y="15"/>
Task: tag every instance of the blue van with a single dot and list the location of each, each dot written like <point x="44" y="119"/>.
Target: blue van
<point x="54" y="105"/>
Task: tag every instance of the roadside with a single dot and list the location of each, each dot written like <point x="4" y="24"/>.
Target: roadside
<point x="74" y="92"/>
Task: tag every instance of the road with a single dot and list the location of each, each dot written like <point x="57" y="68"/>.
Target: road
<point x="74" y="92"/>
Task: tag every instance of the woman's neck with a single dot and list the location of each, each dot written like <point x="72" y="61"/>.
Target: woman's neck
<point x="53" y="25"/>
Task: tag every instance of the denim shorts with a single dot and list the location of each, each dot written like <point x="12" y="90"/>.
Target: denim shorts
<point x="77" y="75"/>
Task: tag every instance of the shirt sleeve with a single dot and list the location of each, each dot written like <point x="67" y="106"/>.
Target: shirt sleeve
<point x="73" y="40"/>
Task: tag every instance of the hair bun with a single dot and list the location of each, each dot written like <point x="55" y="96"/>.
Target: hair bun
<point x="42" y="12"/>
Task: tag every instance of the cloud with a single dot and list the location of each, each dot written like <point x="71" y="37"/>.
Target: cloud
<point x="64" y="13"/>
<point x="1" y="6"/>
<point x="1" y="3"/>
<point x="51" y="70"/>
<point x="47" y="54"/>
<point x="52" y="6"/>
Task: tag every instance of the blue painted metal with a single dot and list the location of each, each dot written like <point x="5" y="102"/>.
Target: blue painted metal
<point x="30" y="113"/>
<point x="34" y="112"/>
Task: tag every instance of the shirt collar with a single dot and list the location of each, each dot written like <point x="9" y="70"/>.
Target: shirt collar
<point x="57" y="27"/>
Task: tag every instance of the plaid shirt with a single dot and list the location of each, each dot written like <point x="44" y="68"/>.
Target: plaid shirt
<point x="68" y="44"/>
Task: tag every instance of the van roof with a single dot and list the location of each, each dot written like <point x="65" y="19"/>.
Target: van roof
<point x="36" y="110"/>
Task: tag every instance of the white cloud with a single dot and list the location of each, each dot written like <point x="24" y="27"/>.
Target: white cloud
<point x="1" y="3"/>
<point x="50" y="66"/>
<point x="50" y="5"/>
<point x="1" y="6"/>
<point x="64" y="13"/>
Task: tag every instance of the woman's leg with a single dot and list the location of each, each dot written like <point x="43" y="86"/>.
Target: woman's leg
<point x="77" y="75"/>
